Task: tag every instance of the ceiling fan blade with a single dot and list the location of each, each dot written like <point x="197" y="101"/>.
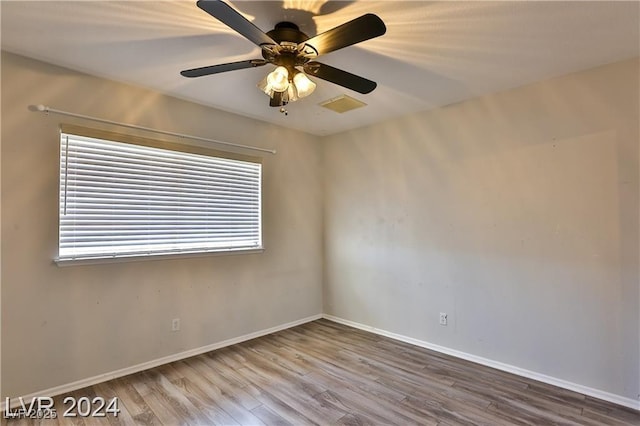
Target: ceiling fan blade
<point x="340" y="77"/>
<point x="234" y="20"/>
<point x="215" y="69"/>
<point x="360" y="29"/>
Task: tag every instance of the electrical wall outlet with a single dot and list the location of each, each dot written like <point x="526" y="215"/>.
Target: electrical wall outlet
<point x="443" y="318"/>
<point x="175" y="324"/>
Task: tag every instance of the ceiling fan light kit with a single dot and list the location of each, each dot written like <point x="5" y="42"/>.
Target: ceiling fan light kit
<point x="293" y="53"/>
<point x="292" y="89"/>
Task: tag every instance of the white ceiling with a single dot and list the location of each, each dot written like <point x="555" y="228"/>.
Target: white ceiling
<point x="433" y="54"/>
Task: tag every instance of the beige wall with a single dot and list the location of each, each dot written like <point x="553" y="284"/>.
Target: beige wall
<point x="64" y="324"/>
<point x="515" y="213"/>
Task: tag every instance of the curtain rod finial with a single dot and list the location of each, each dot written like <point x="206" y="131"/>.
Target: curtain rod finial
<point x="40" y="108"/>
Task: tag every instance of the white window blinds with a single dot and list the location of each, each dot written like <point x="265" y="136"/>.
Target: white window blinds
<point x="121" y="199"/>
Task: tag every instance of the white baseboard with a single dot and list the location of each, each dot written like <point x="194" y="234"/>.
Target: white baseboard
<point x="70" y="387"/>
<point x="606" y="396"/>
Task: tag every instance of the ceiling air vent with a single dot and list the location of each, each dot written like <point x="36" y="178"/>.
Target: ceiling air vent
<point x="342" y="103"/>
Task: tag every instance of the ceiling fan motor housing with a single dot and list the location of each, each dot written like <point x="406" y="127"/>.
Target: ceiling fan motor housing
<point x="290" y="51"/>
<point x="287" y="31"/>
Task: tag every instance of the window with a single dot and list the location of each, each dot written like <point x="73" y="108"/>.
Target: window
<point x="123" y="199"/>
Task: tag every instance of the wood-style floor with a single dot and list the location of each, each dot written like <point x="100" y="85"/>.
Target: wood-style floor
<point x="327" y="373"/>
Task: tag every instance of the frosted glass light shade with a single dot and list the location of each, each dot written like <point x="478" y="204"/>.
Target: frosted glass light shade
<point x="278" y="79"/>
<point x="292" y="93"/>
<point x="304" y="86"/>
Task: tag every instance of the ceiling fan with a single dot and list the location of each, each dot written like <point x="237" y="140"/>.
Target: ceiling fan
<point x="293" y="53"/>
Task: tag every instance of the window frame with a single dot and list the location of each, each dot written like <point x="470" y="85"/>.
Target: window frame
<point x="190" y="148"/>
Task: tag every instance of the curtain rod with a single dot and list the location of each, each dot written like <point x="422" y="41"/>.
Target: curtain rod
<point x="47" y="110"/>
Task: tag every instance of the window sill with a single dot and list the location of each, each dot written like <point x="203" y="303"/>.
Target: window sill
<point x="62" y="262"/>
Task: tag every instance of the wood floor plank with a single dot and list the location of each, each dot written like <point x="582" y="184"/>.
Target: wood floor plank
<point x="285" y="359"/>
<point x="108" y="392"/>
<point x="520" y="409"/>
<point x="354" y="420"/>
<point x="162" y="409"/>
<point x="202" y="402"/>
<point x="381" y="410"/>
<point x="327" y="373"/>
<point x="331" y="359"/>
<point x="494" y="393"/>
<point x="274" y="403"/>
<point x="341" y="401"/>
<point x="269" y="417"/>
<point x="301" y="404"/>
<point x="228" y="357"/>
<point x="606" y="419"/>
<point x="130" y="399"/>
<point x="610" y="409"/>
<point x="451" y="411"/>
<point x="295" y="391"/>
<point x="233" y="374"/>
<point x="229" y="388"/>
<point x="205" y="379"/>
